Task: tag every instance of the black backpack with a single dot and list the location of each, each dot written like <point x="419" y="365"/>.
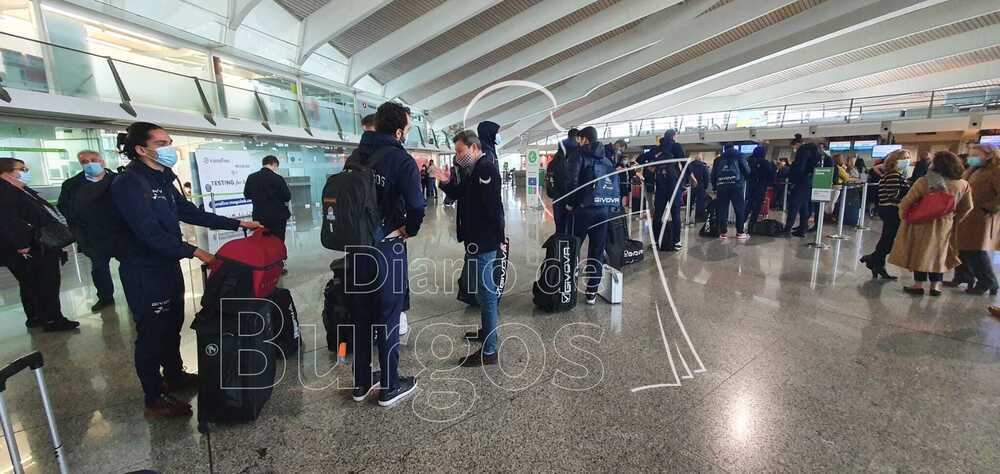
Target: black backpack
<point x="556" y="173"/>
<point x="351" y="213"/>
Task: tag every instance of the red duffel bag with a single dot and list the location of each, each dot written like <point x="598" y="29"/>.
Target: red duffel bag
<point x="261" y="251"/>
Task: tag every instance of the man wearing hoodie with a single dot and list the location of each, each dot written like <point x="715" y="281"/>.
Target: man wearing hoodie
<point x="762" y="174"/>
<point x="377" y="277"/>
<point x="667" y="177"/>
<point x="555" y="176"/>
<point x="589" y="204"/>
<point x="480" y="226"/>
<point x="729" y="173"/>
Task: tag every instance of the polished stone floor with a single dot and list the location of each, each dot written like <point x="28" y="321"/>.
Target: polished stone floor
<point x="779" y="358"/>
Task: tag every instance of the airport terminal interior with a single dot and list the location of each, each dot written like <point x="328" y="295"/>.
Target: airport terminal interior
<point x="753" y="347"/>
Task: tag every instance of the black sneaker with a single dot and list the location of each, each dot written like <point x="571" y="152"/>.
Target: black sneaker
<point x="34" y="323"/>
<point x="61" y="325"/>
<point x="404" y="387"/>
<point x="101" y="304"/>
<point x="362" y="393"/>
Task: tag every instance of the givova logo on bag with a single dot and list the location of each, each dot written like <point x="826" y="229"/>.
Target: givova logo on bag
<point x="566" y="295"/>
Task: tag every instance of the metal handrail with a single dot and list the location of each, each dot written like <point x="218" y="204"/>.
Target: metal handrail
<point x="847" y="108"/>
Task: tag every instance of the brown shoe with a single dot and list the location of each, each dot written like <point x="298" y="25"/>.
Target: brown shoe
<point x="180" y="383"/>
<point x="167" y="407"/>
<point x="477" y="359"/>
<point x="994" y="310"/>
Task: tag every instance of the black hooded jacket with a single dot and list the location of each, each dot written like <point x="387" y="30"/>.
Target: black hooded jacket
<point x="480" y="220"/>
<point x="488" y="132"/>
<point x="574" y="168"/>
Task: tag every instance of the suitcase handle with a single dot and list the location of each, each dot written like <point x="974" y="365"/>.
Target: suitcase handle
<point x="31" y="361"/>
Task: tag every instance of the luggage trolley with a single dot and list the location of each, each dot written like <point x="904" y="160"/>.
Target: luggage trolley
<point x="34" y="362"/>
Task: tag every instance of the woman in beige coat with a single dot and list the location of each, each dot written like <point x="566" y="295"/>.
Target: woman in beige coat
<point x="979" y="234"/>
<point x="929" y="249"/>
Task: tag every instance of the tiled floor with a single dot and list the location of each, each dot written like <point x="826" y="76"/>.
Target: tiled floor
<point x="808" y="366"/>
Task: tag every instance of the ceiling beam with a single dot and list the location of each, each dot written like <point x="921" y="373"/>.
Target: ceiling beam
<point x="415" y="33"/>
<point x="238" y="11"/>
<point x="517" y="26"/>
<point x="602" y="22"/>
<point x="646" y="35"/>
<point x="876" y="32"/>
<point x="331" y="20"/>
<point x="802" y="33"/>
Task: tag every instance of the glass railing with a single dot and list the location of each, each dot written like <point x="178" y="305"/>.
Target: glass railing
<point x="916" y="105"/>
<point x="36" y="66"/>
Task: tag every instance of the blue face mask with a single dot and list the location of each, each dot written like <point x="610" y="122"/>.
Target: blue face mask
<point x="93" y="169"/>
<point x="499" y="140"/>
<point x="975" y="161"/>
<point x="24" y="176"/>
<point x="167" y="156"/>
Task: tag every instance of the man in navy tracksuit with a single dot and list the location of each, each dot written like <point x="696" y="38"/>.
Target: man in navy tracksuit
<point x="762" y="174"/>
<point x="480" y="224"/>
<point x="729" y="173"/>
<point x="567" y="148"/>
<point x="152" y="208"/>
<point x="701" y="176"/>
<point x="667" y="177"/>
<point x="377" y="277"/>
<point x="588" y="216"/>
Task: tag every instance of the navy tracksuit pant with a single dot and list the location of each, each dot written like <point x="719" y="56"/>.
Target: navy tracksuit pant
<point x="377" y="287"/>
<point x="591" y="223"/>
<point x="155" y="295"/>
<point x="755" y="203"/>
<point x="726" y="196"/>
<point x="799" y="204"/>
<point x="664" y="188"/>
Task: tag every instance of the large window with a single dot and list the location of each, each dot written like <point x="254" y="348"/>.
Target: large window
<point x="50" y="151"/>
<point x="279" y="94"/>
<point x="321" y="104"/>
<point x="21" y="63"/>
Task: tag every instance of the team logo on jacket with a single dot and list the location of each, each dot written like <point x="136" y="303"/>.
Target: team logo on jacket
<point x="486" y="181"/>
<point x="212" y="350"/>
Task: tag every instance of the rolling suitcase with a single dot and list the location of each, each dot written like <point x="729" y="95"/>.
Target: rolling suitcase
<point x="288" y="335"/>
<point x="555" y="289"/>
<point x="34" y="362"/>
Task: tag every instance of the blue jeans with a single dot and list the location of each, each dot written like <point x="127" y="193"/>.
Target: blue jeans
<point x="100" y="273"/>
<point x="486" y="293"/>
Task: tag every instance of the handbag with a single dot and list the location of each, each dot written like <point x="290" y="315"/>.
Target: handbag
<point x="54" y="235"/>
<point x="932" y="206"/>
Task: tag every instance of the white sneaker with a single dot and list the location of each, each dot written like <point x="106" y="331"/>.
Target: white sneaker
<point x="592" y="298"/>
<point x="404" y="327"/>
<point x="743" y="236"/>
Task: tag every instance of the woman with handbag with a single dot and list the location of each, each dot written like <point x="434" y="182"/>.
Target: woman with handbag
<point x="979" y="233"/>
<point x="891" y="190"/>
<point x="31" y="246"/>
<point x="926" y="241"/>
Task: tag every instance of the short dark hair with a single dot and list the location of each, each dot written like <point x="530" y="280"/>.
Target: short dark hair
<point x="391" y="116"/>
<point x="269" y="160"/>
<point x="590" y="133"/>
<point x="468" y="137"/>
<point x="9" y="164"/>
<point x="947" y="164"/>
<point x="368" y="120"/>
<point x="671" y="133"/>
<point x="573" y="133"/>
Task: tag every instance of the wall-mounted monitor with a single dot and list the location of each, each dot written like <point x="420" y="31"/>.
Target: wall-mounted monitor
<point x="840" y="146"/>
<point x="990" y="140"/>
<point x="748" y="149"/>
<point x="882" y="151"/>
<point x="865" y="145"/>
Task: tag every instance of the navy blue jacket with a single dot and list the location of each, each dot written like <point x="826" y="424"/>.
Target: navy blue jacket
<point x="590" y="151"/>
<point x="732" y="156"/>
<point x="396" y="175"/>
<point x="762" y="171"/>
<point x="807" y="159"/>
<point x="480" y="219"/>
<point x="699" y="170"/>
<point x="153" y="208"/>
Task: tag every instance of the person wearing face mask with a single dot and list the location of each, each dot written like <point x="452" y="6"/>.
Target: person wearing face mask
<point x="35" y="266"/>
<point x="979" y="234"/>
<point x="376" y="277"/>
<point x="152" y="208"/>
<point x="480" y="226"/>
<point x="892" y="187"/>
<point x="85" y="200"/>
